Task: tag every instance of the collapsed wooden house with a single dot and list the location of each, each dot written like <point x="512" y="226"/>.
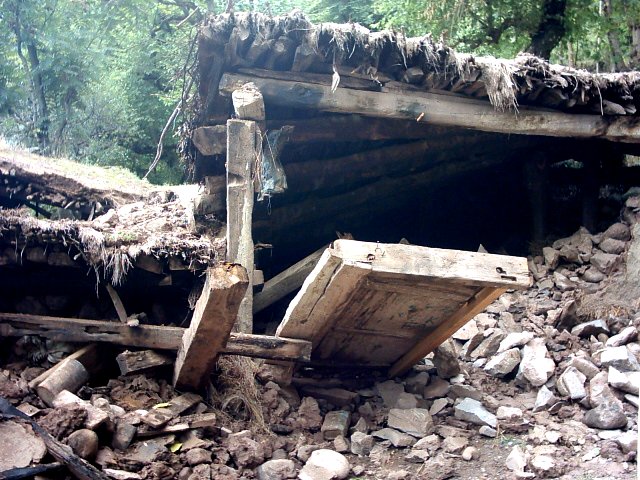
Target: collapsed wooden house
<point x="300" y="132"/>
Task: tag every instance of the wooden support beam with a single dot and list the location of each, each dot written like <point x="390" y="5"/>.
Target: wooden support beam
<point x="447" y="328"/>
<point x="285" y="282"/>
<point x="146" y="336"/>
<point x="213" y="318"/>
<point x="438" y="109"/>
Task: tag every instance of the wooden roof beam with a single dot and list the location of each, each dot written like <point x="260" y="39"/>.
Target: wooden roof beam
<point x="438" y="109"/>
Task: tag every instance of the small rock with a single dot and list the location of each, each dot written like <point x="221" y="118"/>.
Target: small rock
<point x="516" y="461"/>
<point x="361" y="443"/>
<point x="586" y="367"/>
<point x="309" y="416"/>
<point x="606" y="416"/>
<point x="617" y="231"/>
<point x="563" y="283"/>
<point x="361" y="426"/>
<point x="304" y="452"/>
<point x="594" y="327"/>
<point x="123" y="435"/>
<point x="535" y="366"/>
<point x="417" y="382"/>
<point x="628" y="334"/>
<point x="633" y="400"/>
<point x="613" y="246"/>
<point x="455" y="444"/>
<point x="543" y="465"/>
<point x="406" y="400"/>
<point x="464" y="391"/>
<point x="436" y="389"/>
<point x="341" y="444"/>
<point x="604" y="262"/>
<point x="397" y="439"/>
<point x="325" y="464"/>
<point x="121" y="474"/>
<point x="276" y="470"/>
<point x="508" y="413"/>
<point x="417" y="456"/>
<point x="487" y="431"/>
<point x="503" y="363"/>
<point x="628" y="441"/>
<point x="399" y="475"/>
<point x="551" y="257"/>
<point x="390" y="392"/>
<point x="471" y="410"/>
<point x="245" y="451"/>
<point x="196" y="456"/>
<point x="438" y="405"/>
<point x="489" y="345"/>
<point x="515" y="339"/>
<point x="470" y="453"/>
<point x="335" y="423"/>
<point x="446" y="360"/>
<point x="592" y="275"/>
<point x="571" y="384"/>
<point x="336" y="396"/>
<point x="430" y="442"/>
<point x="467" y="331"/>
<point x="84" y="443"/>
<point x="620" y="358"/>
<point x="626" y="381"/>
<point x="414" y="421"/>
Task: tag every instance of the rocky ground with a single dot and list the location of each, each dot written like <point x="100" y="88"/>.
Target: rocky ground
<point x="543" y="384"/>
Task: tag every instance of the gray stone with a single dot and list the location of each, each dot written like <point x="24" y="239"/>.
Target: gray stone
<point x="390" y="391"/>
<point x="197" y="456"/>
<point x="604" y="262"/>
<point x="503" y="363"/>
<point x="535" y="366"/>
<point x="417" y="456"/>
<point x="361" y="443"/>
<point x="304" y="452"/>
<point x="471" y="410"/>
<point x="471" y="345"/>
<point x="563" y="283"/>
<point x="276" y="470"/>
<point x="470" y="453"/>
<point x="599" y="391"/>
<point x="544" y="466"/>
<point x="508" y="413"/>
<point x="454" y="444"/>
<point x="545" y="399"/>
<point x="633" y="400"/>
<point x="571" y="384"/>
<point x="416" y="383"/>
<point x="325" y="464"/>
<point x="464" y="391"/>
<point x="487" y="431"/>
<point x="617" y="231"/>
<point x="585" y="366"/>
<point x="620" y="358"/>
<point x="592" y="275"/>
<point x="245" y="451"/>
<point x="437" y="388"/>
<point x="606" y="416"/>
<point x="489" y="345"/>
<point x="516" y="461"/>
<point x="438" y="405"/>
<point x="406" y="400"/>
<point x="84" y="443"/>
<point x="628" y="441"/>
<point x="414" y="421"/>
<point x="551" y="257"/>
<point x="466" y="332"/>
<point x="626" y="335"/>
<point x="123" y="435"/>
<point x="336" y="396"/>
<point x="626" y="381"/>
<point x="594" y="327"/>
<point x="361" y="426"/>
<point x="341" y="444"/>
<point x="430" y="442"/>
<point x="445" y="360"/>
<point x="335" y="423"/>
<point x="397" y="439"/>
<point x="515" y="339"/>
<point x="613" y="246"/>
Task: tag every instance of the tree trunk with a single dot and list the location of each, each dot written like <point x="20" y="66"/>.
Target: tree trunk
<point x="551" y="28"/>
<point x="617" y="58"/>
<point x="634" y="60"/>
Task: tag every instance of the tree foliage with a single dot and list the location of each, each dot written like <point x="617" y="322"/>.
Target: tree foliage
<point x="96" y="80"/>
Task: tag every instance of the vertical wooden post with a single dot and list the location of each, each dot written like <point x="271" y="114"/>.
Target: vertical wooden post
<point x="535" y="171"/>
<point x="243" y="148"/>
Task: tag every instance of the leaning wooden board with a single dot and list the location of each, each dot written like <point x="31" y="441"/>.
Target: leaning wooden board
<point x="388" y="305"/>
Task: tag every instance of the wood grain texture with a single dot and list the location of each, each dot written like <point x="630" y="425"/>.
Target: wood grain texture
<point x="376" y="304"/>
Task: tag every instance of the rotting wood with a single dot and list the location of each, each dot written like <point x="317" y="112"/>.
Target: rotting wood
<point x="80" y="468"/>
<point x="213" y="318"/>
<point x="438" y="109"/>
<point x="132" y="362"/>
<point x="285" y="282"/>
<point x="147" y="336"/>
<point x="368" y="304"/>
<point x="29" y="472"/>
<point x="70" y="376"/>
<point x="117" y="303"/>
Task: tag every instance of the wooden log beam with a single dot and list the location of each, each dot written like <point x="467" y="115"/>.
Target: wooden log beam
<point x="438" y="109"/>
<point x="146" y="336"/>
<point x="285" y="282"/>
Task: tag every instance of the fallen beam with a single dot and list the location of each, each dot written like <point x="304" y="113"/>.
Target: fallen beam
<point x="146" y="336"/>
<point x="437" y="109"/>
<point x="285" y="282"/>
<point x="213" y="318"/>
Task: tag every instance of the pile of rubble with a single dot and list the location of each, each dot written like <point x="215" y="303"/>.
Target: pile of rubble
<point x="543" y="384"/>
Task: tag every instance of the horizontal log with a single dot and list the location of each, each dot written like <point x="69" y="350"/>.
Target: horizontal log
<point x="438" y="109"/>
<point x="146" y="336"/>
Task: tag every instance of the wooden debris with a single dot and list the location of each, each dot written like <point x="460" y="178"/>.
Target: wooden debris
<point x="86" y="356"/>
<point x="133" y="362"/>
<point x="147" y="336"/>
<point x="70" y="376"/>
<point x="29" y="472"/>
<point x="213" y="318"/>
<point x="117" y="303"/>
<point x="187" y="422"/>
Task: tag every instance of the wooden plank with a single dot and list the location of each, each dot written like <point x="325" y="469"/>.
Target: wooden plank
<point x="86" y="356"/>
<point x="117" y="303"/>
<point x="438" y="109"/>
<point x="132" y="362"/>
<point x="285" y="282"/>
<point x="242" y="151"/>
<point x="213" y="318"/>
<point x="147" y="336"/>
<point x="430" y="342"/>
